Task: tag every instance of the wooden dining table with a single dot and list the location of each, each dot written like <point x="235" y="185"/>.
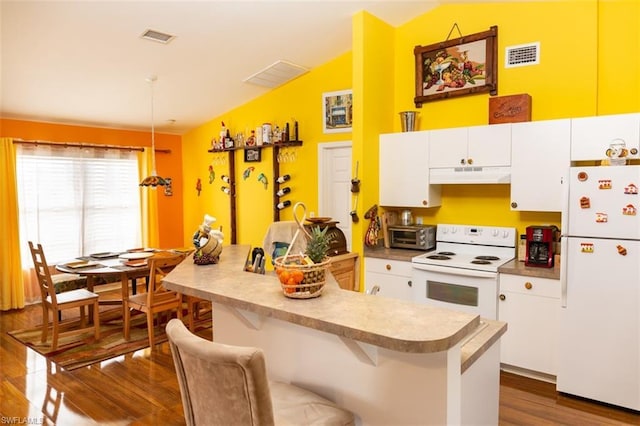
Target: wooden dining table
<point x="105" y="269"/>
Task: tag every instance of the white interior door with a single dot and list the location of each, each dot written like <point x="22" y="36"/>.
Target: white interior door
<point x="335" y="198"/>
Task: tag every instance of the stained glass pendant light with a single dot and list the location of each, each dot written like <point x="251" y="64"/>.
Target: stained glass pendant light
<point x="153" y="180"/>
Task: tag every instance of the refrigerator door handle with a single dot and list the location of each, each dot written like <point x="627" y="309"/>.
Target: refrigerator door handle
<point x="564" y="247"/>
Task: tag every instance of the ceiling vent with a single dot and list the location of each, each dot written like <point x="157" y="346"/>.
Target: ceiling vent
<point x="276" y="74"/>
<point x="158" y="36"/>
<point x="522" y="55"/>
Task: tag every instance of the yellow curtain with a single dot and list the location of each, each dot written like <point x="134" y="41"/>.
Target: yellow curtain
<point x="148" y="202"/>
<point x="11" y="284"/>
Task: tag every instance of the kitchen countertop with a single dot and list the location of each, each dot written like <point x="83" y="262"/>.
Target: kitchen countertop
<point x="380" y="252"/>
<point x="515" y="267"/>
<point x="384" y="322"/>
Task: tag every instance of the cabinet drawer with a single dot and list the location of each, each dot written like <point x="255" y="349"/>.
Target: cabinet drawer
<point x="340" y="266"/>
<point x="544" y="287"/>
<point x="386" y="266"/>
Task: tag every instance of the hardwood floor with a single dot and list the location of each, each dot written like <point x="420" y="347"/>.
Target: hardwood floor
<point x="141" y="388"/>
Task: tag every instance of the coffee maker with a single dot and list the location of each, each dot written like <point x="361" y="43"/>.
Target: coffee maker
<point x="540" y="242"/>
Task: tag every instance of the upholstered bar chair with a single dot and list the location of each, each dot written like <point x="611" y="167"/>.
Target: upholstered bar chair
<point x="56" y="303"/>
<point x="227" y="385"/>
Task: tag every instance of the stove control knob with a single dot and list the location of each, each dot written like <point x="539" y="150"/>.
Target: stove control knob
<point x="496" y="232"/>
<point x="505" y="234"/>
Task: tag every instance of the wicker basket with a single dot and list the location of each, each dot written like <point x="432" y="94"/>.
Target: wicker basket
<point x="300" y="280"/>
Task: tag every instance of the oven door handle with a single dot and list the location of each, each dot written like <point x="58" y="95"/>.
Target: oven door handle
<point x="454" y="271"/>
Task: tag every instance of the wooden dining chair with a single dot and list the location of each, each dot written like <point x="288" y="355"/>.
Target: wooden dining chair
<point x="56" y="303"/>
<point x="196" y="308"/>
<point x="156" y="299"/>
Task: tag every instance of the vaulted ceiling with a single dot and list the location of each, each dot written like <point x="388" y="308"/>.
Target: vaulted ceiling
<point x="85" y="62"/>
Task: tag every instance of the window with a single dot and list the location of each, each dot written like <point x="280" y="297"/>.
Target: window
<point x="77" y="201"/>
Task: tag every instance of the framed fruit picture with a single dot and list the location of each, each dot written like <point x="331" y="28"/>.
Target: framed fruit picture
<point x="461" y="66"/>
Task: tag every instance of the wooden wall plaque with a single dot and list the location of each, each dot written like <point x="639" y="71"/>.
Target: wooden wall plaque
<point x="510" y="109"/>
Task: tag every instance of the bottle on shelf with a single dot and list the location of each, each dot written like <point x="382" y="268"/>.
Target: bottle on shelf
<point x="283" y="191"/>
<point x="223" y="133"/>
<point x="285" y="133"/>
<point x="228" y="140"/>
<point x="225" y="179"/>
<point x="283" y="178"/>
<point x="226" y="190"/>
<point x="283" y="204"/>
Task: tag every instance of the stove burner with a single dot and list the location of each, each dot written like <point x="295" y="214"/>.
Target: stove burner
<point x="487" y="257"/>
<point x="447" y="253"/>
<point x="481" y="262"/>
<point x="438" y="257"/>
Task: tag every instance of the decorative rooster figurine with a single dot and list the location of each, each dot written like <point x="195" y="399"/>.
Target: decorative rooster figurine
<point x="371" y="237"/>
<point x="212" y="174"/>
<point x="198" y="186"/>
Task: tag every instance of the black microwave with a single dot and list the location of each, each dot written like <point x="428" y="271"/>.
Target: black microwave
<point x="418" y="237"/>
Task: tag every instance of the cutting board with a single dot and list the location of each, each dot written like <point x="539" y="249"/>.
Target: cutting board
<point x="509" y="109"/>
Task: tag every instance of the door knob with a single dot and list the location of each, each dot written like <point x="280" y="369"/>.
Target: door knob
<point x="528" y="285"/>
<point x="502" y="297"/>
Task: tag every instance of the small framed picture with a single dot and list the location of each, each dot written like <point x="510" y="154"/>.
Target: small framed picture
<point x="252" y="155"/>
<point x="337" y="110"/>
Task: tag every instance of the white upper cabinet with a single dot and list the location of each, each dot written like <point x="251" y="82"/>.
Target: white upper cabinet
<point x="448" y="147"/>
<point x="490" y="145"/>
<point x="539" y="164"/>
<point x="591" y="136"/>
<point x="404" y="171"/>
<point x="478" y="146"/>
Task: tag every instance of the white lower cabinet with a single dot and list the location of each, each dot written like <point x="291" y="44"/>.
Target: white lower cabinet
<point x="392" y="278"/>
<point x="531" y="308"/>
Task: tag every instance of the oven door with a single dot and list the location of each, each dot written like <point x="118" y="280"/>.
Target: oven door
<point x="467" y="290"/>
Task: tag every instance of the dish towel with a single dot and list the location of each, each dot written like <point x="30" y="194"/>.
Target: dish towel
<point x="282" y="232"/>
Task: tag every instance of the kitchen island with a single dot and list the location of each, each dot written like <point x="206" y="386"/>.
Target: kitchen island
<point x="389" y="361"/>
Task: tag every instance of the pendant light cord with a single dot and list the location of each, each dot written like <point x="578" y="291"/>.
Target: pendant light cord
<point x="152" y="81"/>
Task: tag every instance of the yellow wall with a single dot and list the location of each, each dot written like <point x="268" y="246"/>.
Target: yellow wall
<point x="588" y="66"/>
<point x="576" y="77"/>
<point x="301" y="100"/>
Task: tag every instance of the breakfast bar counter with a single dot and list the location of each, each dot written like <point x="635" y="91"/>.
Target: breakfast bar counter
<point x="389" y="361"/>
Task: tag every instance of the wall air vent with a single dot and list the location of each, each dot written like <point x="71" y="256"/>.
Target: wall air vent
<point x="276" y="74"/>
<point x="522" y="55"/>
<point x="158" y="36"/>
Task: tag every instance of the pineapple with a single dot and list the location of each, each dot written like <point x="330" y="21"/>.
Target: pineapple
<point x="317" y="247"/>
<point x="318" y="244"/>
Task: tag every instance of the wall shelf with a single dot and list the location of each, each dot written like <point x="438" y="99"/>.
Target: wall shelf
<point x="232" y="173"/>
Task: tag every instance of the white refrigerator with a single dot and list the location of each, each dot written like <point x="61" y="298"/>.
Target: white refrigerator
<point x="599" y="356"/>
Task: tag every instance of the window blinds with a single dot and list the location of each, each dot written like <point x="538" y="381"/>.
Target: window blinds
<point x="77" y="201"/>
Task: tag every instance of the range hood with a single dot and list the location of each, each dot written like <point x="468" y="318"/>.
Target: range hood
<point x="470" y="175"/>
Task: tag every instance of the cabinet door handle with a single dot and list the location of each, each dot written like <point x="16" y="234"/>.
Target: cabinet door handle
<point x="470" y="161"/>
<point x="410" y="284"/>
<point x="528" y="285"/>
<point x="388" y="267"/>
<point x="462" y="161"/>
<point x="502" y="297"/>
<point x="514" y="205"/>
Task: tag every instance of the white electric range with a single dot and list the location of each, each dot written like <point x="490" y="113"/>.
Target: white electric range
<point x="462" y="272"/>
